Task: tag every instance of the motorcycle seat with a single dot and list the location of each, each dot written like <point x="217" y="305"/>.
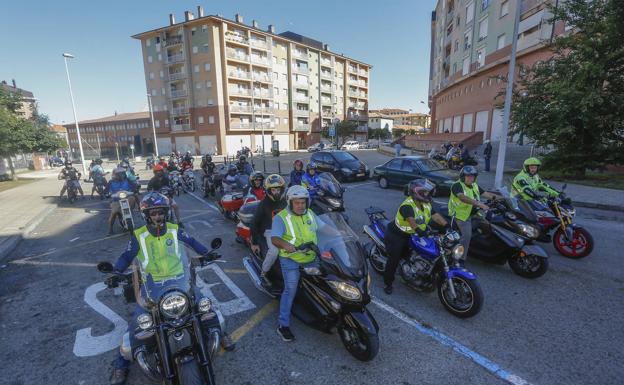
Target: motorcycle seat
<point x="373" y="210"/>
<point x="384" y="224"/>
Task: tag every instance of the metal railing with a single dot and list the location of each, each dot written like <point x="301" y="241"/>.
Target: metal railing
<point x="240" y="74"/>
<point x="353" y="70"/>
<point x="326" y="75"/>
<point x="240" y="91"/>
<point x="173" y="40"/>
<point x="175" y="59"/>
<point x="326" y="62"/>
<point x="179" y="93"/>
<point x="180" y="127"/>
<point x="260" y="60"/>
<point x="176" y="76"/>
<point x="363" y="73"/>
<point x="300" y="54"/>
<point x="236" y="38"/>
<point x="263" y="93"/>
<point x="232" y="54"/>
<point x="262" y="77"/>
<point x="236" y="108"/>
<point x="180" y="111"/>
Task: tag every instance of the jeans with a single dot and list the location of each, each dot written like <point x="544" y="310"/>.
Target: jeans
<point x="120" y="362"/>
<point x="465" y="228"/>
<point x="487" y="164"/>
<point x="290" y="272"/>
<point x="271" y="254"/>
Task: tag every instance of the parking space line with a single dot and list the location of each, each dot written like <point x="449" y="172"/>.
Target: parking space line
<point x="203" y="201"/>
<point x="477" y="358"/>
<point x="254" y="320"/>
<point x="359" y="184"/>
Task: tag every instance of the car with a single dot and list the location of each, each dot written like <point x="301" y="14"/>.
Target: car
<point x="341" y="164"/>
<point x="400" y="171"/>
<point x="315" y="147"/>
<point x="386" y="142"/>
<point x="350" y="145"/>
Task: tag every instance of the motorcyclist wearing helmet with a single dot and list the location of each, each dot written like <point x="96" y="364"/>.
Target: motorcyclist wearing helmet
<point x="130" y="174"/>
<point x="156" y="237"/>
<point x="292" y="227"/>
<point x="188" y="157"/>
<point x="159" y="181"/>
<point x="208" y="167"/>
<point x="256" y="186"/>
<point x="119" y="182"/>
<point x="413" y="217"/>
<point x="231" y="179"/>
<point x="172" y="165"/>
<point x="162" y="162"/>
<point x="273" y="202"/>
<point x="464" y="202"/>
<point x="97" y="173"/>
<point x="243" y="166"/>
<point x="529" y="186"/>
<point x="297" y="173"/>
<point x="70" y="175"/>
<point x="310" y="180"/>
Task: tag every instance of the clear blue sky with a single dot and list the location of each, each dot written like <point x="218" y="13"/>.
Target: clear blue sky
<point x="107" y="73"/>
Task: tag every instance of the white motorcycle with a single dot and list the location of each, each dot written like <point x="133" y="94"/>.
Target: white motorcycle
<point x="189" y="180"/>
<point x="126" y="219"/>
<point x="176" y="182"/>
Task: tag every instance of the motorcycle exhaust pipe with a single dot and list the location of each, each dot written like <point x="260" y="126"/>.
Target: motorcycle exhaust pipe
<point x="254" y="274"/>
<point x="149" y="371"/>
<point x="215" y="339"/>
<point x="371" y="233"/>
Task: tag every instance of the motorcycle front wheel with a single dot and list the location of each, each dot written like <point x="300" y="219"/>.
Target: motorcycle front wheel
<point x="529" y="266"/>
<point x="468" y="296"/>
<point x="189" y="373"/>
<point x="581" y="245"/>
<point x="362" y="345"/>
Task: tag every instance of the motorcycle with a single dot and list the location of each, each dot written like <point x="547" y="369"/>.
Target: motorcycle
<point x="209" y="185"/>
<point x="188" y="178"/>
<point x="100" y="184"/>
<point x="179" y="333"/>
<point x="328" y="196"/>
<point x="245" y="216"/>
<point x="149" y="163"/>
<point x="432" y="263"/>
<point x="569" y="239"/>
<point x="231" y="201"/>
<point x="175" y="181"/>
<point x="334" y="294"/>
<point x="125" y="218"/>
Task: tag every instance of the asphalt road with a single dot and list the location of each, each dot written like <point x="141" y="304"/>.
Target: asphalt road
<point x="59" y="326"/>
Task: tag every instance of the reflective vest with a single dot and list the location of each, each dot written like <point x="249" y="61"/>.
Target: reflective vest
<point x="300" y="229"/>
<point x="160" y="256"/>
<point x="423" y="216"/>
<point x="460" y="209"/>
<point x="534" y="182"/>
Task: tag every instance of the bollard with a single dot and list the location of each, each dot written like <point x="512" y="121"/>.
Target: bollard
<point x="264" y="165"/>
<point x="279" y="167"/>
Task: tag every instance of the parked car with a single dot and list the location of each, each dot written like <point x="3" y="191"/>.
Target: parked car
<point x="386" y="142"/>
<point x="400" y="171"/>
<point x="366" y="145"/>
<point x="341" y="164"/>
<point x="350" y="145"/>
<point x="315" y="147"/>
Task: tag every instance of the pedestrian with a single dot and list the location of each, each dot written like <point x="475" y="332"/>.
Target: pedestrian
<point x="397" y="149"/>
<point x="487" y="154"/>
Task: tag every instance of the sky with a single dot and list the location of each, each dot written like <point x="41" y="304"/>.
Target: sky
<point x="107" y="71"/>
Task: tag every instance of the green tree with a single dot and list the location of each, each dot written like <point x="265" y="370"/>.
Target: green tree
<point x="378" y="133"/>
<point x="574" y="102"/>
<point x="346" y="129"/>
<point x="398" y="132"/>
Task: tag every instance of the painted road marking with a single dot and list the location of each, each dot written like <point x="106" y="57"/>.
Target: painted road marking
<point x="202" y="222"/>
<point x="477" y="358"/>
<point x="215" y="208"/>
<point x="240" y="304"/>
<point x="74" y="239"/>
<point x="254" y="320"/>
<point x="39" y="263"/>
<point x="358" y="185"/>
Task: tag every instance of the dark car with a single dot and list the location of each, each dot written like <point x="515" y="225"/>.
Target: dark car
<point x="400" y="171"/>
<point x="341" y="164"/>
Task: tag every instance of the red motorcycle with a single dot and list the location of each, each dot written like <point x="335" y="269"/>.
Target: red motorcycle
<point x="245" y="216"/>
<point x="231" y="202"/>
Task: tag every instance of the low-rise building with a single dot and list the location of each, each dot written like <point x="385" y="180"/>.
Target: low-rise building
<point x="377" y="121"/>
<point x="28" y="100"/>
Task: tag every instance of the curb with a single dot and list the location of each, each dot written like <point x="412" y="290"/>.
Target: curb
<point x="13" y="241"/>
<point x="599" y="206"/>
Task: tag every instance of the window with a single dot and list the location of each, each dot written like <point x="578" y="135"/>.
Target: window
<point x="469" y="12"/>
<point x="205" y="48"/>
<point x="407" y="166"/>
<point x="210" y="102"/>
<point x="157" y="123"/>
<point x="157" y="39"/>
<point x="483" y="28"/>
<point x="211" y="119"/>
<point x="193" y="31"/>
<point x="149" y="58"/>
<point x="468" y="40"/>
<point x="394" y="164"/>
<point x="500" y="42"/>
<point x="275" y="60"/>
<point x="454" y="67"/>
<point x="200" y="120"/>
<point x="276" y="91"/>
<point x="166" y="122"/>
<point x="285" y="120"/>
<point x="148" y="42"/>
<point x="151" y="75"/>
<point x="208" y="84"/>
<point x="457" y="21"/>
<point x="465" y="66"/>
<point x="485" y="4"/>
<point x="162" y="74"/>
<point x="162" y="91"/>
<point x="204" y="28"/>
<point x="196" y="68"/>
<point x="194" y="49"/>
<point x="154" y="92"/>
<point x="206" y="67"/>
<point x="198" y="85"/>
<point x="159" y="57"/>
<point x="456" y="45"/>
<point x="504" y="8"/>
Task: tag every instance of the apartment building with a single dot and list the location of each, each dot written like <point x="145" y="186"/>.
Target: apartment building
<point x="28" y="104"/>
<point x="219" y="84"/>
<point x="470" y="50"/>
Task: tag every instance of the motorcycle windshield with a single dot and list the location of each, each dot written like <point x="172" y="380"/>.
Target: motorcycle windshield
<point x="177" y="277"/>
<point x="519" y="205"/>
<point x="243" y="180"/>
<point x="338" y="241"/>
<point x="330" y="184"/>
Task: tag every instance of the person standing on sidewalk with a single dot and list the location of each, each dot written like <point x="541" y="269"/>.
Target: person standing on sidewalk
<point x="397" y="149"/>
<point x="487" y="154"/>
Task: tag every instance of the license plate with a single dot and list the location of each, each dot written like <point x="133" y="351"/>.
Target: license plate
<point x="360" y="174"/>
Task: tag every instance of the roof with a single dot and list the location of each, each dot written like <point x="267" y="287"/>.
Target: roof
<point x="379" y="115"/>
<point x="116" y="118"/>
<point x="390" y="110"/>
<point x="14" y="90"/>
<point x="223" y="19"/>
<point x="407" y="127"/>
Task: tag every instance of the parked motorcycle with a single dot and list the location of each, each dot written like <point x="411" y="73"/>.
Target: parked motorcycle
<point x="433" y="263"/>
<point x="334" y="294"/>
<point x="175" y="181"/>
<point x="100" y="184"/>
<point x="179" y="333"/>
<point x="126" y="221"/>
<point x="188" y="178"/>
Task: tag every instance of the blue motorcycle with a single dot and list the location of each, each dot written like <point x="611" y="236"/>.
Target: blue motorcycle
<point x="433" y="262"/>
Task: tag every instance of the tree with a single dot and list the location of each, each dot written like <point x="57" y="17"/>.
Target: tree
<point x="378" y="133"/>
<point x="398" y="132"/>
<point x="574" y="102"/>
<point x="345" y="129"/>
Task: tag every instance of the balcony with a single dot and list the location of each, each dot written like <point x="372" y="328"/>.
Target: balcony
<point x="173" y="40"/>
<point x="236" y="55"/>
<point x="239" y="91"/>
<point x="262" y="77"/>
<point x="326" y="101"/>
<point x="354" y="94"/>
<point x="362" y="83"/>
<point x="236" y="38"/>
<point x="327" y="89"/>
<point x="300" y="55"/>
<point x="177" y="76"/>
<point x="326" y="62"/>
<point x="240" y="109"/>
<point x="264" y="110"/>
<point x="326" y="75"/>
<point x="240" y="125"/>
<point x="353" y="70"/>
<point x="363" y="73"/>
<point x="262" y="44"/>
<point x="353" y="81"/>
<point x="302" y="98"/>
<point x="260" y="60"/>
<point x="180" y="127"/>
<point x="240" y="75"/>
<point x="300" y="70"/>
<point x="179" y="93"/>
<point x="177" y="111"/>
<point x="175" y="59"/>
<point x="263" y="93"/>
<point x="301" y="112"/>
<point x="301" y="127"/>
<point x="301" y="85"/>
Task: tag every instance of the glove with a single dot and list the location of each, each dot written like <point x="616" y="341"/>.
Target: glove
<point x="112" y="281"/>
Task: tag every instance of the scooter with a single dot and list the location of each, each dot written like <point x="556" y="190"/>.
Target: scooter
<point x="232" y="201"/>
<point x="433" y="263"/>
<point x="328" y="196"/>
<point x="334" y="293"/>
<point x="125" y="218"/>
<point x="245" y="216"/>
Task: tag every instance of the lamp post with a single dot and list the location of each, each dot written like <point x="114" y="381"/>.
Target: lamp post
<point x="149" y="102"/>
<point x="71" y="94"/>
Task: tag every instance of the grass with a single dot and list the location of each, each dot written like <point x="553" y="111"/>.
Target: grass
<point x="592" y="178"/>
<point x="9" y="184"/>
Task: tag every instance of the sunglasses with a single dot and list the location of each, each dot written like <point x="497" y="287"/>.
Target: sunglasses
<point x="157" y="213"/>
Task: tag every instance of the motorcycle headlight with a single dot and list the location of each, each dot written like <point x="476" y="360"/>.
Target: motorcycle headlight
<point x="458" y="252"/>
<point x="173" y="305"/>
<point x="345" y="290"/>
<point x="528" y="230"/>
<point x="122" y="195"/>
<point x="346" y="171"/>
<point x="334" y="202"/>
<point x="204" y="305"/>
<point x="144" y="321"/>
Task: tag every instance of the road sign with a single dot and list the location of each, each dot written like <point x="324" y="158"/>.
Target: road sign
<point x="132" y="146"/>
<point x="332" y="131"/>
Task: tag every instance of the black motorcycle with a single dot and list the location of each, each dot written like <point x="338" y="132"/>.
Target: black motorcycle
<point x="334" y="294"/>
<point x="100" y="184"/>
<point x="328" y="196"/>
<point x="177" y="336"/>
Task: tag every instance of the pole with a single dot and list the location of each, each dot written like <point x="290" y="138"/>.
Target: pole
<point x="502" y="146"/>
<point x="97" y="135"/>
<point x="149" y="102"/>
<point x="71" y="94"/>
<point x="117" y="150"/>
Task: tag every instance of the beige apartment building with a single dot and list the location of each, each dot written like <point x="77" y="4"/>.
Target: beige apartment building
<point x="470" y="50"/>
<point x="217" y="85"/>
<point x="28" y="101"/>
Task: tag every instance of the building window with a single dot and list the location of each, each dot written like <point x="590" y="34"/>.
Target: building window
<point x="205" y="48"/>
<point x="485" y="4"/>
<point x="210" y="102"/>
<point x="480" y="57"/>
<point x="151" y="75"/>
<point x="458" y="20"/>
<point x="211" y="120"/>
<point x="456" y="45"/>
<point x="200" y="120"/>
<point x="483" y="29"/>
<point x="157" y="39"/>
<point x="469" y="12"/>
<point x="454" y="67"/>
<point x="148" y="42"/>
<point x="504" y="8"/>
<point x="193" y="31"/>
<point x="198" y="85"/>
<point x="154" y="92"/>
<point x="208" y="84"/>
<point x="162" y="91"/>
<point x="500" y="42"/>
<point x="467" y="40"/>
<point x="157" y="123"/>
<point x="206" y="67"/>
<point x="196" y="68"/>
<point x="465" y="66"/>
<point x="194" y="49"/>
<point x="162" y="74"/>
<point x="285" y="120"/>
<point x="159" y="57"/>
<point x="204" y="28"/>
<point x="149" y="58"/>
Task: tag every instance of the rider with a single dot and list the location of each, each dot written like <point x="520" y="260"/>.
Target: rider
<point x="119" y="182"/>
<point x="208" y="166"/>
<point x="187" y="163"/>
<point x="172" y="165"/>
<point x="97" y="172"/>
<point x="292" y="227"/>
<point x="163" y="162"/>
<point x="156" y="256"/>
<point x="529" y="185"/>
<point x="188" y="157"/>
<point x="297" y="173"/>
<point x="159" y="181"/>
<point x="273" y="203"/>
<point x="412" y="217"/>
<point x="231" y="179"/>
<point x="243" y="166"/>
<point x="310" y="180"/>
<point x="130" y="174"/>
<point x="255" y="186"/>
<point x="464" y="201"/>
<point x="71" y="175"/>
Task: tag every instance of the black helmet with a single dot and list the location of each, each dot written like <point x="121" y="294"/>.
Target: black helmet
<point x="274" y="181"/>
<point x="126" y="160"/>
<point x="468" y="170"/>
<point x="208" y="158"/>
<point x="311" y="165"/>
<point x="232" y="170"/>
<point x="242" y="159"/>
<point x="98" y="161"/>
<point x="154" y="200"/>
<point x="421" y="189"/>
<point x="256" y="175"/>
<point x="68" y="163"/>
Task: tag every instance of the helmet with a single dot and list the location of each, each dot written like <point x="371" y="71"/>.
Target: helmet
<point x="531" y="162"/>
<point x="297" y="192"/>
<point x="274" y="181"/>
<point x="68" y="163"/>
<point x="158" y="168"/>
<point x="242" y="158"/>
<point x="421" y="189"/>
<point x="256" y="175"/>
<point x="125" y="160"/>
<point x="119" y="171"/>
<point x="188" y="153"/>
<point x="208" y="158"/>
<point x="298" y="162"/>
<point x="232" y="170"/>
<point x="154" y="200"/>
<point x="468" y="170"/>
<point x="310" y="166"/>
<point x="98" y="161"/>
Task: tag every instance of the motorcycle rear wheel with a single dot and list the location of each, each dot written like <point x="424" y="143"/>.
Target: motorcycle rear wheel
<point x="581" y="246"/>
<point x="361" y="344"/>
<point x="463" y="288"/>
<point x="529" y="266"/>
<point x="375" y="264"/>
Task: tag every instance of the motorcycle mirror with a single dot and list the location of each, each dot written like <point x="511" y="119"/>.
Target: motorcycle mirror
<point x="565" y="185"/>
<point x="105" y="267"/>
<point x="216" y="243"/>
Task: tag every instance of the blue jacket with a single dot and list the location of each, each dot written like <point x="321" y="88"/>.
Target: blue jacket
<point x="311" y="182"/>
<point x="115" y="185"/>
<point x="295" y="177"/>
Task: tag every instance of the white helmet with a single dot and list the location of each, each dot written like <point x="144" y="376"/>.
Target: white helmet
<point x="297" y="192"/>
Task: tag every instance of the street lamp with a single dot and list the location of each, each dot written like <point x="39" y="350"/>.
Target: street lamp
<point x="71" y="94"/>
<point x="149" y="102"/>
